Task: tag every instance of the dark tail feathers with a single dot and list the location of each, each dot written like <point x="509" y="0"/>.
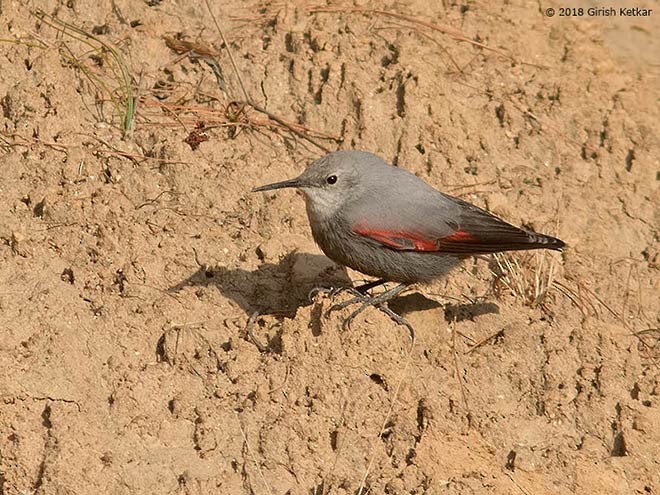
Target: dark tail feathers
<point x="542" y="241"/>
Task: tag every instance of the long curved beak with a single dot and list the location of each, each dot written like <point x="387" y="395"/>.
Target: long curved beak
<point x="280" y="185"/>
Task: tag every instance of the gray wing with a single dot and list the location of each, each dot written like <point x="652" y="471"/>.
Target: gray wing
<point x="416" y="217"/>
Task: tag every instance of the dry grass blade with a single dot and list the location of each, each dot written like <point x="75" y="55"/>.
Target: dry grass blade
<point x="482" y="342"/>
<point x="191" y="115"/>
<point x="126" y="104"/>
<point x="19" y="140"/>
<point x="254" y="459"/>
<point x="586" y="299"/>
<point x="414" y="20"/>
<point x="247" y="96"/>
<point x="38" y="44"/>
<point x="248" y="99"/>
<point x="290" y="127"/>
<point x="543" y="279"/>
<point x="530" y="280"/>
<point x="575" y="298"/>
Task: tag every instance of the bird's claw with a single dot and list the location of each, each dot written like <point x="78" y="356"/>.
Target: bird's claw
<point x="396" y="318"/>
<point x="333" y="292"/>
<point x="318" y="290"/>
<point x="367" y="302"/>
<point x="363" y="297"/>
<point x="346" y="324"/>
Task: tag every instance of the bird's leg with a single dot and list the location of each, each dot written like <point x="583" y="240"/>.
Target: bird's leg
<point x="361" y="292"/>
<point x="358" y="292"/>
<point x="377" y="301"/>
<point x="372" y="301"/>
<point x="364" y="288"/>
<point x="396" y="318"/>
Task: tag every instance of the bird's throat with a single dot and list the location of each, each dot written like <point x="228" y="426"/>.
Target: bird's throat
<point x="320" y="207"/>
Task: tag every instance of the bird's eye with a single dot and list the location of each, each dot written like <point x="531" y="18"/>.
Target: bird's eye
<point x="331" y="179"/>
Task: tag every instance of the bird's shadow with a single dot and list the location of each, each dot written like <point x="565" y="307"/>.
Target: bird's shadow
<point x="281" y="288"/>
<point x="273" y="288"/>
<point x="411" y="303"/>
<point x="462" y="312"/>
<point x="453" y="312"/>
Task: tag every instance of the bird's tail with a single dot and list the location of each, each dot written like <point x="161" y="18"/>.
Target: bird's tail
<point x="542" y="241"/>
<point x="484" y="233"/>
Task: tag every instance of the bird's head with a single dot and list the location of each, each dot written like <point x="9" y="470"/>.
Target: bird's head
<point x="328" y="183"/>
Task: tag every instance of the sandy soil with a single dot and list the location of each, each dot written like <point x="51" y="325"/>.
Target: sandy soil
<point x="155" y="331"/>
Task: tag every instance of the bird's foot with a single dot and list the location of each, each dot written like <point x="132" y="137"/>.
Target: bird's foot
<point x="358" y="297"/>
<point x="318" y="290"/>
<point x="379" y="301"/>
<point x="398" y="319"/>
<point x="358" y="293"/>
<point x="333" y="292"/>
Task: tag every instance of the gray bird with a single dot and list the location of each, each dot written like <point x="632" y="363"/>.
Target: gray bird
<point x="388" y="223"/>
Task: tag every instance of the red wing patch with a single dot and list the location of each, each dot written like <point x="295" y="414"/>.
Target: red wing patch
<point x="403" y="241"/>
<point x="459" y="241"/>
